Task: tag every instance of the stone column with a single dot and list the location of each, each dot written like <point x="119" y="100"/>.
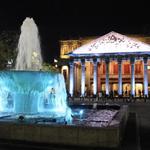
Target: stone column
<point x="71" y="75"/>
<point x="82" y="77"/>
<point x="95" y="77"/>
<point x="132" y="62"/>
<point x="119" y="77"/>
<point x="107" y="76"/>
<point x="145" y="76"/>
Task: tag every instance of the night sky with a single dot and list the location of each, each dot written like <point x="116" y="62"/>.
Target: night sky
<point x="67" y="19"/>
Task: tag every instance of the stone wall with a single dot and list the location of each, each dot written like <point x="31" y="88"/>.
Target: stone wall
<point x="66" y="134"/>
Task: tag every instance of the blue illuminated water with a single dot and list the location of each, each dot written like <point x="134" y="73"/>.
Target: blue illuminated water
<point x="32" y="92"/>
<point x="28" y="91"/>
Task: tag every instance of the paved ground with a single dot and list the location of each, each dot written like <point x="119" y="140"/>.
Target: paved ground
<point x="137" y="135"/>
<point x="143" y="118"/>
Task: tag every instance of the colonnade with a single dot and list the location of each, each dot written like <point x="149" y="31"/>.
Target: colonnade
<point x="107" y="61"/>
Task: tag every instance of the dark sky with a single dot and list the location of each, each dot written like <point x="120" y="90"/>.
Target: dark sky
<point x="67" y="19"/>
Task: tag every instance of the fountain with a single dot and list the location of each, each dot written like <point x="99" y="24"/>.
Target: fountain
<point x="27" y="90"/>
<point x="33" y="104"/>
<point x="29" y="51"/>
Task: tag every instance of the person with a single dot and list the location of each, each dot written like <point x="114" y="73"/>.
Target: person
<point x="99" y="95"/>
<point x="85" y="93"/>
<point x="52" y="91"/>
<point x="9" y="100"/>
<point x="52" y="97"/>
<point x="140" y="93"/>
<point x="126" y="93"/>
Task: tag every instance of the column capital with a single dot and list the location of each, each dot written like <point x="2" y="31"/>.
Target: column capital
<point x="94" y="60"/>
<point x="107" y="60"/>
<point x="82" y="61"/>
<point x="132" y="60"/>
<point x="119" y="60"/>
<point x="145" y="59"/>
<point x="71" y="62"/>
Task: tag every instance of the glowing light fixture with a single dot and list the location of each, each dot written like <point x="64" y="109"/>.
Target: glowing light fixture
<point x="55" y="60"/>
<point x="81" y="112"/>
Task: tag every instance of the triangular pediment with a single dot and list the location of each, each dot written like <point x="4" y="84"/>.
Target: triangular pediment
<point x="112" y="43"/>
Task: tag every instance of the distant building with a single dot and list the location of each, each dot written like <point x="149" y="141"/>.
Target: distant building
<point x="111" y="64"/>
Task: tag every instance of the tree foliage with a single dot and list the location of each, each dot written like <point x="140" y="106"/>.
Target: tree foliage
<point x="49" y="67"/>
<point x="8" y="45"/>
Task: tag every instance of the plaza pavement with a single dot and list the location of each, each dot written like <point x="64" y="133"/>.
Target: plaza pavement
<point x="137" y="134"/>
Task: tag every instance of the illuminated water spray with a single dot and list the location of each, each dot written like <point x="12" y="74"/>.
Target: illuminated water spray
<point x="29" y="50"/>
<point x="28" y="90"/>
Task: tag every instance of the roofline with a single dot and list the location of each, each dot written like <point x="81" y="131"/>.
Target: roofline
<point x="103" y="36"/>
<point x="96" y="36"/>
<point x="109" y="54"/>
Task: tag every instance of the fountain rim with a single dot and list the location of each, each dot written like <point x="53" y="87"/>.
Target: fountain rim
<point x="28" y="71"/>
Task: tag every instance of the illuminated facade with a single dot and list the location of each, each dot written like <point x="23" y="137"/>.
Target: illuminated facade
<point x="111" y="64"/>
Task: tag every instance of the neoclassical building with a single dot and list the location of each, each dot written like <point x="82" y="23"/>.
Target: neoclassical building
<point x="111" y="64"/>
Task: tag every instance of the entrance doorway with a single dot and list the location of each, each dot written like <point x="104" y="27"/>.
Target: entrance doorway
<point x="138" y="89"/>
<point x="126" y="89"/>
<point x="103" y="89"/>
<point x="115" y="89"/>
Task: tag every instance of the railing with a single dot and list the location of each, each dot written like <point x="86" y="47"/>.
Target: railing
<point x="95" y="99"/>
<point x="123" y="76"/>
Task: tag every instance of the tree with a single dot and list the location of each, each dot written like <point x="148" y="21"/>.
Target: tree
<point x="8" y="45"/>
<point x="49" y="67"/>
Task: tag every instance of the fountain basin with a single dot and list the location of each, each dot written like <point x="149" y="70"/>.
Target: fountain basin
<point x="29" y="92"/>
<point x="73" y="135"/>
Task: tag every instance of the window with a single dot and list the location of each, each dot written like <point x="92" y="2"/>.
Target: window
<point x="104" y="68"/>
<point x="126" y="68"/>
<point x="138" y="68"/>
<point x="115" y="68"/>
